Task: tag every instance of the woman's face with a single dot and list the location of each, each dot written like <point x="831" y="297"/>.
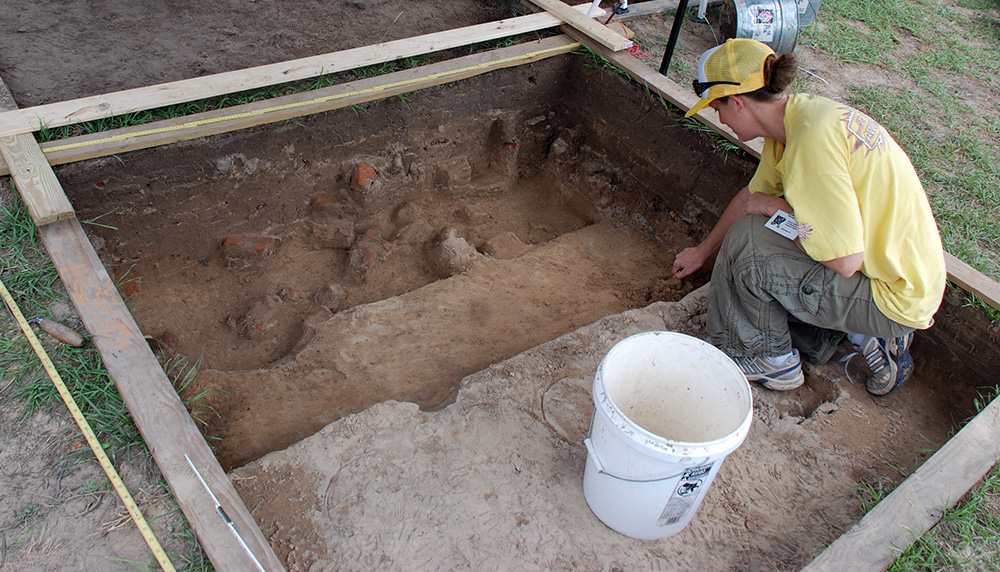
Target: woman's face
<point x="734" y="114"/>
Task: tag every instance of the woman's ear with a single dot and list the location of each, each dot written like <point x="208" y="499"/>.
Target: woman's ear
<point x="737" y="102"/>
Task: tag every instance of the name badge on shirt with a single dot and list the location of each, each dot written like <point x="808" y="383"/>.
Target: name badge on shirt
<point x="784" y="224"/>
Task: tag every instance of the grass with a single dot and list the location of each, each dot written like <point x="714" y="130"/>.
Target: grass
<point x="34" y="285"/>
<point x="32" y="282"/>
<point x="967" y="538"/>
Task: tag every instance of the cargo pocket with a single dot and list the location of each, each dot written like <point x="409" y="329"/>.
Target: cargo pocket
<point x="811" y="289"/>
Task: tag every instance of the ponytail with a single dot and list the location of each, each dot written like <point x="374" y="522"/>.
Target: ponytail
<point x="779" y="72"/>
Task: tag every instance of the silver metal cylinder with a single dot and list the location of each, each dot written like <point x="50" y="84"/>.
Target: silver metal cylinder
<point x="772" y="22"/>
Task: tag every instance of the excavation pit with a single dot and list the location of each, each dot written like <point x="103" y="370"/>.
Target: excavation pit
<point x="382" y="255"/>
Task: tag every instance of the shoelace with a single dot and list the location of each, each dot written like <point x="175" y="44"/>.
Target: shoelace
<point x="875" y="358"/>
<point x="846" y="360"/>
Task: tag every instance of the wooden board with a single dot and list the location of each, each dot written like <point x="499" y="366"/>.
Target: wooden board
<point x="158" y="412"/>
<point x="33" y="177"/>
<point x="297" y="105"/>
<point x="644" y="9"/>
<point x="594" y="30"/>
<point x="109" y="105"/>
<point x="37" y="184"/>
<point x="919" y="502"/>
<point x="973" y="281"/>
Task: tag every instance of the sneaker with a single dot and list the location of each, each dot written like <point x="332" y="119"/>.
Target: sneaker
<point x="779" y="377"/>
<point x="890" y="362"/>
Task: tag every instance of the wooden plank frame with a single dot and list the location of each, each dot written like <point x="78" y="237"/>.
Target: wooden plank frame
<point x="83" y="109"/>
<point x="165" y="425"/>
<point x="161" y="417"/>
<point x="227" y="531"/>
<point x="198" y="125"/>
<point x="870" y="545"/>
<point x="34" y="179"/>
<point x="919" y="502"/>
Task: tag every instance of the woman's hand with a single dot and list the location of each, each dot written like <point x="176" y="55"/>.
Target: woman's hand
<point x="688" y="261"/>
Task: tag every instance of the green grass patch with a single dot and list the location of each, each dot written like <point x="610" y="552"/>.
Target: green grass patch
<point x="864" y="32"/>
<point x="967" y="538"/>
<point x="34" y="285"/>
<point x="945" y="114"/>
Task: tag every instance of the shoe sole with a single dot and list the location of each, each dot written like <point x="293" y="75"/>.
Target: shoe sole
<point x="782" y="385"/>
<point x="779" y="384"/>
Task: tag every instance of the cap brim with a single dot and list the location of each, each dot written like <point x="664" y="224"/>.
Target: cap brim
<point x="702" y="104"/>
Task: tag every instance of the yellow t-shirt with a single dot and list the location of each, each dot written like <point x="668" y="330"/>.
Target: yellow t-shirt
<point x="853" y="189"/>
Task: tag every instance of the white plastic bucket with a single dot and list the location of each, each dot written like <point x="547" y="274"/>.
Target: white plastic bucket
<point x="668" y="408"/>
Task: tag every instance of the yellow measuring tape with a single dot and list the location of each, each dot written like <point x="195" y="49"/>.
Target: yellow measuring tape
<point x="264" y="111"/>
<point x="88" y="433"/>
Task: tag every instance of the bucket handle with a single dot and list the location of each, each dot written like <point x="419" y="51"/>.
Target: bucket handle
<point x="600" y="466"/>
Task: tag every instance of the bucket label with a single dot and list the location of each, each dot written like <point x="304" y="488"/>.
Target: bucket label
<point x="763" y="21"/>
<point x="685" y="495"/>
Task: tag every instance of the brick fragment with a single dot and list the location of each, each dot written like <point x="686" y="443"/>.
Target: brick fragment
<point x="248" y="248"/>
<point x="364" y="176"/>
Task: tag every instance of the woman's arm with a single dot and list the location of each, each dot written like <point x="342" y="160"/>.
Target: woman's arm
<point x="846" y="266"/>
<point x="690" y="260"/>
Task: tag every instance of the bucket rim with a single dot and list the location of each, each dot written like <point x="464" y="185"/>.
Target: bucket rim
<point x="672" y="447"/>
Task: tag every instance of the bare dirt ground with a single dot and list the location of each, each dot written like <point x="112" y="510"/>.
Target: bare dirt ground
<point x="498" y="214"/>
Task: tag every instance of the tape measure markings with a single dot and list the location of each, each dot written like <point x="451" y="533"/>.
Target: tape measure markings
<point x="318" y="100"/>
<point x="88" y="433"/>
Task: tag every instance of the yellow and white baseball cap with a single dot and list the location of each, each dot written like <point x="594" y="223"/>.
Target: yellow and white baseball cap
<point x="732" y="68"/>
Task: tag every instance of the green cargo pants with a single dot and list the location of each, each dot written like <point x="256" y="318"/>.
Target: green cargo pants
<point x="768" y="296"/>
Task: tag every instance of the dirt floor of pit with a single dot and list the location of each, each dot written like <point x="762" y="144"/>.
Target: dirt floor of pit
<point x="494" y="481"/>
<point x="814" y="444"/>
<point x="316" y="269"/>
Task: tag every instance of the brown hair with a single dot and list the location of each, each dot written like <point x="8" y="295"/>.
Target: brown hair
<point x="779" y="72"/>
